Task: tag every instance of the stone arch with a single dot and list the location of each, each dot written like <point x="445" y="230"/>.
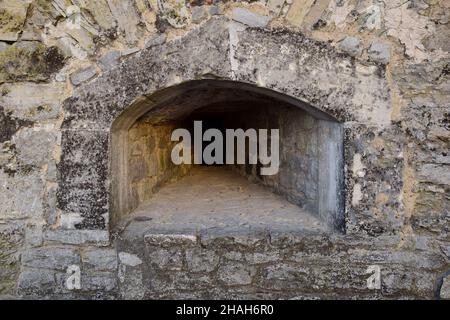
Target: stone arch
<point x="284" y="62"/>
<point x="170" y="103"/>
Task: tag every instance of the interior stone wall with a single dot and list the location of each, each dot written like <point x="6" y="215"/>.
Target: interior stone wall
<point x="298" y="174"/>
<point x="149" y="160"/>
<point x="62" y="84"/>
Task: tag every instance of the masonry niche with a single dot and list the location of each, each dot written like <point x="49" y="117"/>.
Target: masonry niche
<point x="305" y="193"/>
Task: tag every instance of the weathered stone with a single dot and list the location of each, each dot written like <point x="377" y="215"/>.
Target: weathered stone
<point x="31" y="101"/>
<point x="214" y="10"/>
<point x="298" y="11"/>
<point x="11" y="241"/>
<point x="155" y="40"/>
<point x="21" y="196"/>
<point x="130" y="51"/>
<point x="99" y="237"/>
<point x="236" y="274"/>
<point x="34" y="146"/>
<point x="99" y="281"/>
<point x="50" y="207"/>
<point x="199" y="260"/>
<point x="166" y="259"/>
<point x="100" y="259"/>
<point x="100" y="11"/>
<point x="109" y="60"/>
<point x="249" y="18"/>
<point x="434" y="173"/>
<point x="351" y="45"/>
<point x="3" y="46"/>
<point x="12" y="16"/>
<point x="36" y="282"/>
<point x="127" y="18"/>
<point x="50" y="258"/>
<point x="29" y="61"/>
<point x="198" y="14"/>
<point x="379" y="52"/>
<point x="445" y="288"/>
<point x="83" y="75"/>
<point x="129" y="259"/>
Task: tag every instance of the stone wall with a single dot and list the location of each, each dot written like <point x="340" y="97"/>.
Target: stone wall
<point x="150" y="164"/>
<point x="298" y="174"/>
<point x="57" y="59"/>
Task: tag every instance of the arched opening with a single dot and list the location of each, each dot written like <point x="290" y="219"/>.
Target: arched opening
<point x="305" y="192"/>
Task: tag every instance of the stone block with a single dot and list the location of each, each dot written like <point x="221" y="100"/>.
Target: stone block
<point x="99" y="237"/>
<point x="36" y="282"/>
<point x="50" y="258"/>
<point x="100" y="259"/>
<point x="155" y="40"/>
<point x="199" y="14"/>
<point x="34" y="146"/>
<point x="33" y="101"/>
<point x="83" y="75"/>
<point x="249" y="18"/>
<point x="236" y="274"/>
<point x="170" y="259"/>
<point x="351" y="45"/>
<point x="379" y="52"/>
<point x="109" y="60"/>
<point x="445" y="288"/>
<point x="12" y="16"/>
<point x="201" y="260"/>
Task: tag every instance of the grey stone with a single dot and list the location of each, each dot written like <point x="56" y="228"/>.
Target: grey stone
<point x="200" y="260"/>
<point x="379" y="52"/>
<point x="127" y="18"/>
<point x="34" y="147"/>
<point x="129" y="259"/>
<point x="155" y="40"/>
<point x="249" y="18"/>
<point x="21" y="196"/>
<point x="52" y="172"/>
<point x="351" y="45"/>
<point x="99" y="281"/>
<point x="34" y="236"/>
<point x="100" y="237"/>
<point x="50" y="209"/>
<point x="167" y="240"/>
<point x="33" y="101"/>
<point x="166" y="259"/>
<point x="236" y="274"/>
<point x="214" y="10"/>
<point x="50" y="258"/>
<point x="435" y="173"/>
<point x="445" y="289"/>
<point x="130" y="51"/>
<point x="100" y="259"/>
<point x="83" y="75"/>
<point x="109" y="60"/>
<point x="36" y="282"/>
<point x="3" y="46"/>
<point x="198" y="14"/>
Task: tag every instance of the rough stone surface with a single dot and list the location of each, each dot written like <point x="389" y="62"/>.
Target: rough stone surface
<point x="109" y="60"/>
<point x="249" y="18"/>
<point x="198" y="14"/>
<point x="83" y="75"/>
<point x="351" y="45"/>
<point x="445" y="289"/>
<point x="379" y="52"/>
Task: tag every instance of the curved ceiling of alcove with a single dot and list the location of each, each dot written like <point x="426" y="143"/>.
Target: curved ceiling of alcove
<point x="180" y="101"/>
